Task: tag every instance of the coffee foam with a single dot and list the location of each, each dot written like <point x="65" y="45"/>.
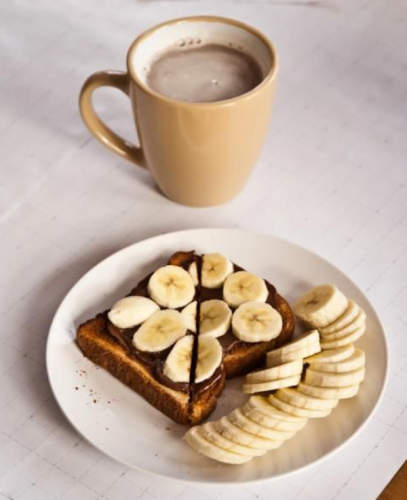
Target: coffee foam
<point x="194" y="72"/>
<point x="193" y="33"/>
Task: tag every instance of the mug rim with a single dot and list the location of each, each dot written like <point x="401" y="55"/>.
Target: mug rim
<point x="270" y="76"/>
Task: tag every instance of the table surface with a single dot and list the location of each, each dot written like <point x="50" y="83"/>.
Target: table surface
<point x="333" y="177"/>
<point x="396" y="489"/>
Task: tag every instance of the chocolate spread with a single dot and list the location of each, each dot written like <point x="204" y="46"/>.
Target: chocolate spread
<point x="155" y="360"/>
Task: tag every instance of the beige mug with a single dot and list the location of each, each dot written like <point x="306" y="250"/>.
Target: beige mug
<point x="200" y="154"/>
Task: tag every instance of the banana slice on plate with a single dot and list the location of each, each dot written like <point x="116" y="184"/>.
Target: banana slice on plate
<point x="302" y="347"/>
<point x="300" y="354"/>
<point x="321" y="306"/>
<point x="347" y="317"/>
<point x="271" y="386"/>
<point x="332" y="355"/>
<point x="324" y="379"/>
<point x="242" y="286"/>
<point x="357" y="323"/>
<point x="209" y="357"/>
<point x="294" y="410"/>
<point x="236" y="434"/>
<point x="196" y="440"/>
<point x="238" y="418"/>
<point x="329" y="392"/>
<point x="348" y="339"/>
<point x="355" y="361"/>
<point x="275" y="373"/>
<point x="301" y="342"/>
<point x="132" y="311"/>
<point x="177" y="365"/>
<point x="260" y="418"/>
<point x="296" y="398"/>
<point x="256" y="322"/>
<point x="159" y="331"/>
<point x="171" y="286"/>
<point x="210" y="433"/>
<point x="263" y="405"/>
<point x="215" y="269"/>
<point x="189" y="316"/>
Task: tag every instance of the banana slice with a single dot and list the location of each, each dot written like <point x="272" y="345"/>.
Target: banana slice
<point x="240" y="420"/>
<point x="357" y="323"/>
<point x="332" y="355"/>
<point x="177" y="366"/>
<point x="357" y="360"/>
<point x="132" y="311"/>
<point x="262" y="404"/>
<point x="189" y="316"/>
<point x="210" y="433"/>
<point x="323" y="379"/>
<point x="160" y="331"/>
<point x="347" y="317"/>
<point x="294" y="410"/>
<point x="275" y="373"/>
<point x="194" y="437"/>
<point x="321" y="306"/>
<point x="236" y="434"/>
<point x="271" y="386"/>
<point x="329" y="392"/>
<point x="215" y="318"/>
<point x="256" y="322"/>
<point x="244" y="287"/>
<point x="296" y="398"/>
<point x="208" y="359"/>
<point x="193" y="272"/>
<point x="300" y="342"/>
<point x="293" y="356"/>
<point x="172" y="287"/>
<point x="348" y="339"/>
<point x="215" y="269"/>
<point x="260" y="418"/>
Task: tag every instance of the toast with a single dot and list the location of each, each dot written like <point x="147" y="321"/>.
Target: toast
<point x="102" y="348"/>
<point x="184" y="402"/>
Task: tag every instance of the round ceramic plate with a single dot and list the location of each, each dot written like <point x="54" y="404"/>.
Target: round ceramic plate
<point x="124" y="426"/>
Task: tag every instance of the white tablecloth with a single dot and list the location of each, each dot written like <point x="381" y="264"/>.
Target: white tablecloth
<point x="332" y="177"/>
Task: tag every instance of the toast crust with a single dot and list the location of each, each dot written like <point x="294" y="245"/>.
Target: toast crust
<point x="103" y="349"/>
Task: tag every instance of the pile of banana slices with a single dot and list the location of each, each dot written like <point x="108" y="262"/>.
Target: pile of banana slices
<point x="309" y="376"/>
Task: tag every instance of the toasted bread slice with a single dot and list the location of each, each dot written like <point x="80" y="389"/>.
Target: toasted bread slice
<point x="103" y="349"/>
<point x="193" y="402"/>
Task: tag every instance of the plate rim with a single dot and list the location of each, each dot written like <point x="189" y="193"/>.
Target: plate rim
<point x="199" y="482"/>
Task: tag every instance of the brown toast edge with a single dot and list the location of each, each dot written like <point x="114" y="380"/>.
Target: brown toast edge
<point x="100" y="347"/>
<point x="205" y="403"/>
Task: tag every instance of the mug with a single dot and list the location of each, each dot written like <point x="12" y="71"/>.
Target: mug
<point x="200" y="153"/>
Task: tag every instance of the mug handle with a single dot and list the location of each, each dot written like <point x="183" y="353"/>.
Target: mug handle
<point x="118" y="80"/>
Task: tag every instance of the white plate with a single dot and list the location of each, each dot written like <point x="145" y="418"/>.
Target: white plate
<point x="124" y="426"/>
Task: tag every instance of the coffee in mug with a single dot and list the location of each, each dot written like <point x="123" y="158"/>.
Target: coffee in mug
<point x="203" y="73"/>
